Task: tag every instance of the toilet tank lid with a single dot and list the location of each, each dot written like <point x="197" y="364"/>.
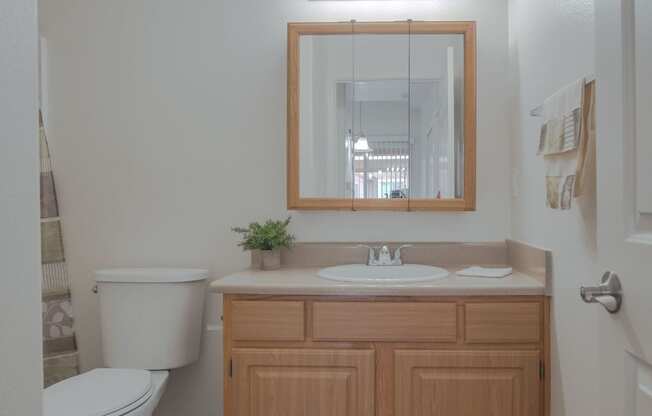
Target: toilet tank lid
<point x="150" y="275"/>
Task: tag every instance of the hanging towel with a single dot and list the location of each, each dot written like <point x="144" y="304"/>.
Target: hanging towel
<point x="59" y="346"/>
<point x="564" y="132"/>
<point x="477" y="271"/>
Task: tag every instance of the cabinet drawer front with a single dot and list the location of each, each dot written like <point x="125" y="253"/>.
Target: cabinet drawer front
<point x="268" y="321"/>
<point x="385" y="321"/>
<point x="503" y="322"/>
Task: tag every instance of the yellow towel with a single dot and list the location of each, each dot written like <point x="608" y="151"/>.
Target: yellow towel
<point x="586" y="151"/>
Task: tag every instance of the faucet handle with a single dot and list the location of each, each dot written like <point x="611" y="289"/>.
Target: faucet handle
<point x="397" y="253"/>
<point x="372" y="252"/>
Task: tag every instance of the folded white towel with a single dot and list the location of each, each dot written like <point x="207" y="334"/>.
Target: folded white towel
<point x="562" y="120"/>
<point x="477" y="271"/>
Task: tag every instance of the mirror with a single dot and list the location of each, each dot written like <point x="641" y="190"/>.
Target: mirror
<point x="381" y="116"/>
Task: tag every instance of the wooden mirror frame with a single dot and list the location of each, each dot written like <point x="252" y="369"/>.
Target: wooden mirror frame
<point x="296" y="30"/>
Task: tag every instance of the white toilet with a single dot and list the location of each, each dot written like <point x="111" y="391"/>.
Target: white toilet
<point x="150" y="322"/>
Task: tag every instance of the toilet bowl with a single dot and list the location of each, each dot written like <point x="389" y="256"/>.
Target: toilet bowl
<point x="106" y="392"/>
<point x="150" y="323"/>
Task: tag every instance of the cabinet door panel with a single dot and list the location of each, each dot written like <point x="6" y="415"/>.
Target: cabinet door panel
<point x="467" y="383"/>
<point x="280" y="382"/>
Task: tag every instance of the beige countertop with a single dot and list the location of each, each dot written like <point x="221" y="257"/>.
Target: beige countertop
<point x="304" y="281"/>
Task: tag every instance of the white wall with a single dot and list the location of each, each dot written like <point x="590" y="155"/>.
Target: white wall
<point x="21" y="377"/>
<point x="167" y="126"/>
<point x="551" y="45"/>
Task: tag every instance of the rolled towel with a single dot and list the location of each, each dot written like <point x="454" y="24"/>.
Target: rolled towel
<point x="477" y="271"/>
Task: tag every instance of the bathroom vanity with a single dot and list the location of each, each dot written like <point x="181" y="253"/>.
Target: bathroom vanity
<point x="297" y="344"/>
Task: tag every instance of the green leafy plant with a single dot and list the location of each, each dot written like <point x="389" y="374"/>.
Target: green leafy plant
<point x="267" y="236"/>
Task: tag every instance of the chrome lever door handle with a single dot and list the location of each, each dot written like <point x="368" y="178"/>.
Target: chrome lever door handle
<point x="608" y="293"/>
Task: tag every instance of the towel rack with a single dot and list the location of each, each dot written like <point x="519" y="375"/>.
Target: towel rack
<point x="538" y="111"/>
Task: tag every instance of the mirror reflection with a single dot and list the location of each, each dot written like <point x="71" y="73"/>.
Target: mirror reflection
<point x="381" y="116"/>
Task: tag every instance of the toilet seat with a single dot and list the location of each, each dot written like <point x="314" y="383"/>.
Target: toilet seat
<point x="100" y="392"/>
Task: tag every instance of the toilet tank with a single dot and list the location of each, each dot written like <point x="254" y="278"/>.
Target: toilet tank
<point x="151" y="318"/>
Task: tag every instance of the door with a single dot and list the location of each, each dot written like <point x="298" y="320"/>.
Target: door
<point x="469" y="383"/>
<point x="280" y="382"/>
<point x="624" y="163"/>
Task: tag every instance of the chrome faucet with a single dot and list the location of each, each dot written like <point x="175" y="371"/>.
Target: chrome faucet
<point x="384" y="257"/>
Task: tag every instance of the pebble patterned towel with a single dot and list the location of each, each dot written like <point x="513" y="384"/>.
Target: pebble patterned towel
<point x="477" y="271"/>
<point x="59" y="344"/>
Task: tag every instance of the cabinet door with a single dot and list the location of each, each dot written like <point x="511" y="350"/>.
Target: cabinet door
<point x="283" y="382"/>
<point x="467" y="383"/>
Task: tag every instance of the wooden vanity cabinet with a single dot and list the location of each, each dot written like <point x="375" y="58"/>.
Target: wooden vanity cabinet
<point x="385" y="356"/>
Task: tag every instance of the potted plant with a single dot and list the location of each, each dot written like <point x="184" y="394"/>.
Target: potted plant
<point x="268" y="238"/>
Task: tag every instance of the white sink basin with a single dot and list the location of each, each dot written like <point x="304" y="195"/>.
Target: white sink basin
<point x="382" y="274"/>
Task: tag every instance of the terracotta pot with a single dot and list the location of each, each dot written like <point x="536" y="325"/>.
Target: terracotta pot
<point x="271" y="259"/>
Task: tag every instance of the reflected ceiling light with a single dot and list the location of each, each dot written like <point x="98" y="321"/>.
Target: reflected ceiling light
<point x="362" y="145"/>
